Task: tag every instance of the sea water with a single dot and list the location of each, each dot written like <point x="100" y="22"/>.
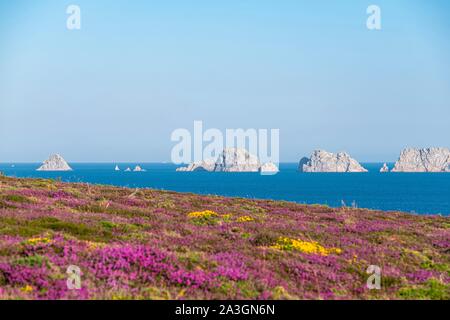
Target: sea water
<point x="421" y="193"/>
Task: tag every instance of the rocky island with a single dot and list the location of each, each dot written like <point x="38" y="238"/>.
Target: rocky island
<point x="232" y="160"/>
<point x="384" y="168"/>
<point x="237" y="160"/>
<point x="55" y="163"/>
<point x="423" y="160"/>
<point x="138" y="169"/>
<point x="205" y="165"/>
<point x="268" y="168"/>
<point x="323" y="161"/>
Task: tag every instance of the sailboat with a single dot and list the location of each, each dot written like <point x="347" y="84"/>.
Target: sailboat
<point x="117" y="168"/>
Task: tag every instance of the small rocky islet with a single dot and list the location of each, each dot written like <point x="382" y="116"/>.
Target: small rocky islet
<point x="55" y="163"/>
<point x="423" y="160"/>
<point x="323" y="161"/>
<point x="149" y="244"/>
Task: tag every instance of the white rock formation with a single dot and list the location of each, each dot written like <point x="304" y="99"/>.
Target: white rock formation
<point x="268" y="168"/>
<point x="231" y="160"/>
<point x="237" y="160"/>
<point x="206" y="165"/>
<point x="138" y="169"/>
<point x="384" y="168"/>
<point x="323" y="161"/>
<point x="127" y="170"/>
<point x="55" y="163"/>
<point x="117" y="168"/>
<point x="423" y="160"/>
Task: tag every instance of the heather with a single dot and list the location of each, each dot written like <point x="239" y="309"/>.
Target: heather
<point x="148" y="244"/>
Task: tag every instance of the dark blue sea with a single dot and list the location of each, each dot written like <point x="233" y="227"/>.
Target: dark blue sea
<point x="422" y="193"/>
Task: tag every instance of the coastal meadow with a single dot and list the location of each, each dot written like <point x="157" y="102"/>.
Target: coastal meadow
<point x="149" y="244"/>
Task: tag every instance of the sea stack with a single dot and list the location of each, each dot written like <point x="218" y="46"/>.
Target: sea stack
<point x="55" y="163"/>
<point x="268" y="168"/>
<point x="232" y="160"/>
<point x="384" y="168"/>
<point x="205" y="165"/>
<point x="117" y="168"/>
<point x="423" y="160"/>
<point x="138" y="169"/>
<point x="323" y="161"/>
<point x="237" y="160"/>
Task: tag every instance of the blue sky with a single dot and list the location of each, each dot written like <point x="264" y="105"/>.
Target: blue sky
<point x="137" y="70"/>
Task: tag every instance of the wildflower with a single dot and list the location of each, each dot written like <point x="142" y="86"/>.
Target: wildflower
<point x="284" y="243"/>
<point x="181" y="294"/>
<point x="91" y="245"/>
<point x="206" y="217"/>
<point x="34" y="241"/>
<point x="27" y="289"/>
<point x="226" y="217"/>
<point x="245" y="219"/>
<point x="280" y="292"/>
<point x="202" y="214"/>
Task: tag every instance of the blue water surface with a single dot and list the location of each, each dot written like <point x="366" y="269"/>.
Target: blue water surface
<point x="422" y="193"/>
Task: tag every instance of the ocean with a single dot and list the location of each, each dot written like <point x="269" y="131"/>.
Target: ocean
<point x="420" y="193"/>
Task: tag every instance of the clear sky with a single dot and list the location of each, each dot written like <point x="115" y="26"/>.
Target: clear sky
<point x="137" y="70"/>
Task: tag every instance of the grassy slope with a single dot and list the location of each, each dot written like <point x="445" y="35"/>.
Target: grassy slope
<point x="147" y="244"/>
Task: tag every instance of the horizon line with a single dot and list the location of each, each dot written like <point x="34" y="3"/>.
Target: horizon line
<point x="153" y="162"/>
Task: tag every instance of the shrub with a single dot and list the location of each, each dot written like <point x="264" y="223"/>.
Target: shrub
<point x="264" y="239"/>
<point x="206" y="217"/>
<point x="15" y="198"/>
<point x="309" y="247"/>
<point x="432" y="289"/>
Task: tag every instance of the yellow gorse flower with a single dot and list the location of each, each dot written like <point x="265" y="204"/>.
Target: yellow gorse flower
<point x="181" y="294"/>
<point x="27" y="289"/>
<point x="312" y="247"/>
<point x="202" y="214"/>
<point x="94" y="245"/>
<point x="245" y="219"/>
<point x="34" y="241"/>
